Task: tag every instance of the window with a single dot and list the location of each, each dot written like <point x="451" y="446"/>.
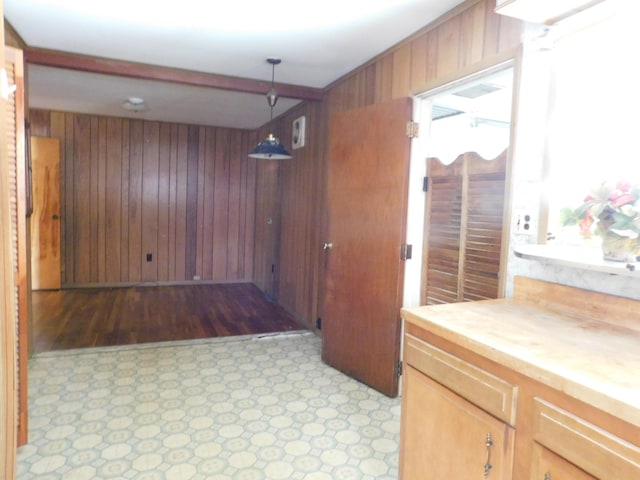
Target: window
<point x="594" y="111"/>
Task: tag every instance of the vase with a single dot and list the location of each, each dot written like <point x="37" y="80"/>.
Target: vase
<point x="614" y="248"/>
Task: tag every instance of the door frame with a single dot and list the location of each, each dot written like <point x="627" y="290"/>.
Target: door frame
<point x="418" y="170"/>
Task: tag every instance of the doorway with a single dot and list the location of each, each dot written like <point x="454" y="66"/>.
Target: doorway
<point x="472" y="114"/>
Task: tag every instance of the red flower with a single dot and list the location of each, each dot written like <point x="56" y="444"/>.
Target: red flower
<point x="623" y="186"/>
<point x="623" y="200"/>
<point x="585" y="224"/>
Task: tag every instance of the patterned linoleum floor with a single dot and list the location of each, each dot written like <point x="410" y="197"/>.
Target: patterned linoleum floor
<point x="241" y="408"/>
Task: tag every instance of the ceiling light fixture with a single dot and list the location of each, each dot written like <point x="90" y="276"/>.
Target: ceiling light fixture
<point x="270" y="148"/>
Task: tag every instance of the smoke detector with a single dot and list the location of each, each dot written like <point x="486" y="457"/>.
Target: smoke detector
<point x="134" y="104"/>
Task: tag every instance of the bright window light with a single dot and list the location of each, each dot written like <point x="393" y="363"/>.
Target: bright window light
<point x="594" y="126"/>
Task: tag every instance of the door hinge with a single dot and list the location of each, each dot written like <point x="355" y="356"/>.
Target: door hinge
<point x="413" y="129"/>
<point x="319" y="323"/>
<point x="399" y="368"/>
<point x="405" y="251"/>
<point x="425" y="184"/>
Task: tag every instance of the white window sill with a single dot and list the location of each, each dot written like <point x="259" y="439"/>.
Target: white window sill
<point x="577" y="257"/>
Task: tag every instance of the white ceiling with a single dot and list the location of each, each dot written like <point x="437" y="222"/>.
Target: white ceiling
<point x="318" y="43"/>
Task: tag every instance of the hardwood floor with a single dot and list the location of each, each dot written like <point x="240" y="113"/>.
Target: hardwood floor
<point x="79" y="318"/>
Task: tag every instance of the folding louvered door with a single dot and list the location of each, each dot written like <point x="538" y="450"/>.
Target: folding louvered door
<point x="15" y="126"/>
<point x="463" y="229"/>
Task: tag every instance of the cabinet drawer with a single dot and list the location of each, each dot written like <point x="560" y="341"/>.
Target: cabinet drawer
<point x="491" y="393"/>
<point x="594" y="450"/>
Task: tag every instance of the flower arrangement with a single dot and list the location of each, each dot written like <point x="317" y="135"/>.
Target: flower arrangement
<point x="611" y="211"/>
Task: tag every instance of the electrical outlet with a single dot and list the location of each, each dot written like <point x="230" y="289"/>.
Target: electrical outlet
<point x="524" y="223"/>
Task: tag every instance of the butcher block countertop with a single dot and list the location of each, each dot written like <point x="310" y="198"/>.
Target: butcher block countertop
<point x="582" y="343"/>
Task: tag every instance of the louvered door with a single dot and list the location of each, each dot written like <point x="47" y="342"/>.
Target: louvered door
<point x="15" y="128"/>
<point x="463" y="229"/>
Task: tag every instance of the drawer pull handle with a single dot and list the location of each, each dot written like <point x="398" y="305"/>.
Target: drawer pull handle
<point x="547" y="476"/>
<point x="487" y="466"/>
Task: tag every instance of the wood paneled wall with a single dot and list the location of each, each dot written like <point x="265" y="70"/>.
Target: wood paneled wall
<point x="184" y="194"/>
<point x="189" y="195"/>
<point x="469" y="34"/>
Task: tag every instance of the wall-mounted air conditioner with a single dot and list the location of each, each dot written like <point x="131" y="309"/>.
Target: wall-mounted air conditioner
<point x="542" y="11"/>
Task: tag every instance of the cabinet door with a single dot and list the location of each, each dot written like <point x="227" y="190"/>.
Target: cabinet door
<point x="547" y="465"/>
<point x="446" y="437"/>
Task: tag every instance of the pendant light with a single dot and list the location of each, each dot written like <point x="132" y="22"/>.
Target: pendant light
<point x="270" y="148"/>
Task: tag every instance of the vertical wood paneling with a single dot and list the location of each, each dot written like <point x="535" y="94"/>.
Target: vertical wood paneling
<point x="419" y="61"/>
<point x="182" y="159"/>
<point x="448" y="47"/>
<point x="40" y="123"/>
<point x="133" y="187"/>
<point x="191" y="234"/>
<point x="164" y="201"/>
<point x="221" y="206"/>
<point x="124" y="202"/>
<point x="101" y="257"/>
<point x="250" y="215"/>
<point x="113" y="204"/>
<point x="369" y="95"/>
<point x="150" y="205"/>
<point x="432" y="55"/>
<point x="172" y="201"/>
<point x="81" y="182"/>
<point x="233" y="200"/>
<point x="491" y="30"/>
<point x="202" y="168"/>
<point x="207" y="205"/>
<point x="472" y="35"/>
<point x="93" y="220"/>
<point x="57" y="130"/>
<point x="385" y="79"/>
<point x="248" y="192"/>
<point x="136" y="151"/>
<point x="401" y="83"/>
<point x="68" y="172"/>
<point x="301" y="181"/>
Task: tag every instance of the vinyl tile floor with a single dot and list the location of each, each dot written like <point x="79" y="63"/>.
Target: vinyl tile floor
<point x="241" y="408"/>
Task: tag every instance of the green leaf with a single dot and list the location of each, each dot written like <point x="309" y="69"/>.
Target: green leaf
<point x="568" y="217"/>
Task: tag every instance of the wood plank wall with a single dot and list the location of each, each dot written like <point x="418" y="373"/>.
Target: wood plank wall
<point x="469" y="34"/>
<point x="185" y="194"/>
<point x="282" y="251"/>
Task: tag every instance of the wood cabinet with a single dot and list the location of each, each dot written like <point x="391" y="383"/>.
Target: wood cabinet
<point x="592" y="449"/>
<point x="452" y="438"/>
<point x="546" y="465"/>
<point x="555" y="388"/>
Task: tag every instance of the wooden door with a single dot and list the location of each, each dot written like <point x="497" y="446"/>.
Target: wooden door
<point x="367" y="202"/>
<point x="45" y="220"/>
<point x="464" y="224"/>
<point x="445" y="436"/>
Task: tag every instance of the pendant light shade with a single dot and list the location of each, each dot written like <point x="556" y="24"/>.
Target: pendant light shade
<point x="270" y="148"/>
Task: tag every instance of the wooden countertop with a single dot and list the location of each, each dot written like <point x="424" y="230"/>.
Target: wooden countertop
<point x="593" y="361"/>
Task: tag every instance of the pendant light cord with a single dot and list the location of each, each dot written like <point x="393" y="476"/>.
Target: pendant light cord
<point x="275" y="98"/>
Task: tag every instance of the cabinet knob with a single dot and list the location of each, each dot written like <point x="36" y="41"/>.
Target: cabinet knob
<point x="547" y="476"/>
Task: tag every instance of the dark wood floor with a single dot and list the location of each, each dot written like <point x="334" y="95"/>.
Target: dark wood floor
<point x="79" y="318"/>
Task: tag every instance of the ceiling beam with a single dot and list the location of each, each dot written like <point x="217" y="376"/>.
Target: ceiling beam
<point x="122" y="68"/>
